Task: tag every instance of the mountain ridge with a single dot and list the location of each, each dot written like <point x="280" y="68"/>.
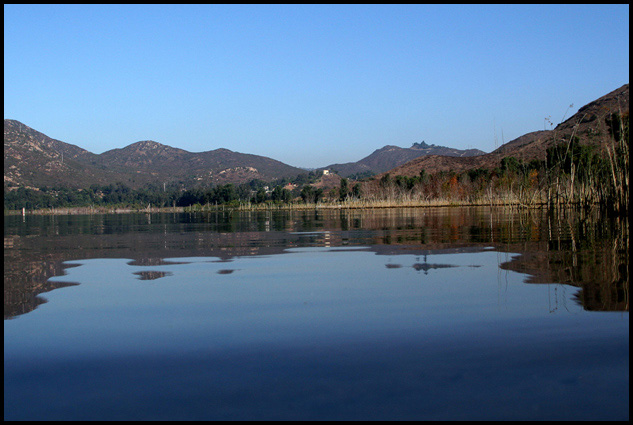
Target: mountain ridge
<point x="391" y="156"/>
<point x="32" y="159"/>
<point x="588" y="124"/>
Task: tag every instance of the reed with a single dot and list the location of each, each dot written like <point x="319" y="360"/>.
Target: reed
<point x="618" y="154"/>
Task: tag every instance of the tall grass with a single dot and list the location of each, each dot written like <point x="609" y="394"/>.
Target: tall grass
<point x="586" y="175"/>
<point x="618" y="153"/>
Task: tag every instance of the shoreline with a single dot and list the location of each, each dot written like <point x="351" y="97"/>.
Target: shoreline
<point x="350" y="205"/>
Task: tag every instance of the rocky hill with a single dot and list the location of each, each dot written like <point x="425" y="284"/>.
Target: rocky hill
<point x="389" y="157"/>
<point x="588" y="124"/>
<point x="33" y="159"/>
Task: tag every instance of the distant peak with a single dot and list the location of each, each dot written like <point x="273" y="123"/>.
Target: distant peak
<point x="388" y="148"/>
<point x="15" y="123"/>
<point x="147" y="143"/>
<point x="421" y="145"/>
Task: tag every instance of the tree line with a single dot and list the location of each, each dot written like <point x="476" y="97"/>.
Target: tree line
<point x="173" y="194"/>
<point x="120" y="195"/>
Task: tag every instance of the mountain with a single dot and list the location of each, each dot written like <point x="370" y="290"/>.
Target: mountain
<point x="33" y="159"/>
<point x="389" y="157"/>
<point x="588" y="124"/>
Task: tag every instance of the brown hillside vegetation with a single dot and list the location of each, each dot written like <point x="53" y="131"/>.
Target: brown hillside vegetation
<point x="588" y="124"/>
<point x="584" y="162"/>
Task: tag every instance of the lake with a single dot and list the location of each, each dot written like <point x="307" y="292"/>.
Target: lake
<point x="406" y="314"/>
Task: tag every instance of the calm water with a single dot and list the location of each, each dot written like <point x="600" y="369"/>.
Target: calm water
<point x="421" y="314"/>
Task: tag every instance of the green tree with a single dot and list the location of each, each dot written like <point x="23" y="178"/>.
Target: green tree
<point x="343" y="190"/>
<point x="280" y="194"/>
<point x="260" y="196"/>
<point x="357" y="192"/>
<point x="310" y="195"/>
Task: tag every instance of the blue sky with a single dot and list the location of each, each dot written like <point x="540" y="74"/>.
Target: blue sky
<point x="309" y="85"/>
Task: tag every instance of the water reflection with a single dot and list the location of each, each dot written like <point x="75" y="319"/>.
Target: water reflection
<point x="151" y="275"/>
<point x="578" y="249"/>
<point x="426" y="267"/>
<point x="427" y="314"/>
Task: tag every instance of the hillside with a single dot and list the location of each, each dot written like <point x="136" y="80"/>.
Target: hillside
<point x="389" y="157"/>
<point x="33" y="159"/>
<point x="588" y="124"/>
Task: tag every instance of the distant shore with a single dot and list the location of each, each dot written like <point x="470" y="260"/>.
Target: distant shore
<point x="268" y="207"/>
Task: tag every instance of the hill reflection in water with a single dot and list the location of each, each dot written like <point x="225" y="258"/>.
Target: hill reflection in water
<point x="585" y="251"/>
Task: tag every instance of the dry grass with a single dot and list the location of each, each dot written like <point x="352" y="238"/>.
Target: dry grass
<point x="506" y="200"/>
